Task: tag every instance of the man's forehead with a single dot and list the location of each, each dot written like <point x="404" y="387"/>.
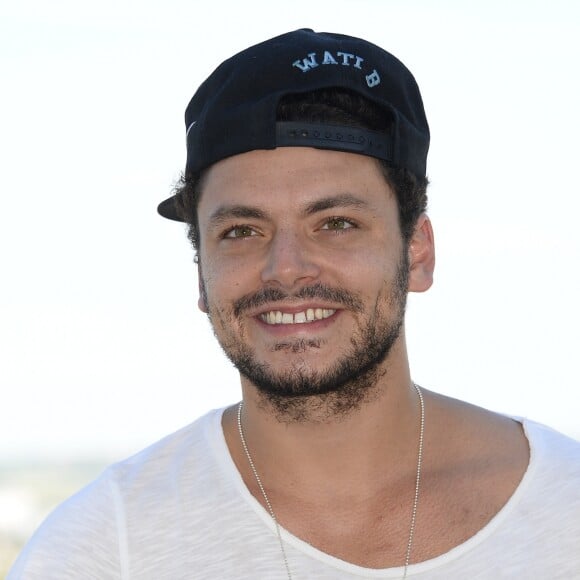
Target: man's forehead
<point x="301" y="181"/>
<point x="288" y="169"/>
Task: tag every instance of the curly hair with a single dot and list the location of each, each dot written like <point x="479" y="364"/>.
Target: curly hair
<point x="335" y="107"/>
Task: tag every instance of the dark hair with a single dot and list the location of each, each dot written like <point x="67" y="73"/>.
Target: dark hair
<point x="335" y="107"/>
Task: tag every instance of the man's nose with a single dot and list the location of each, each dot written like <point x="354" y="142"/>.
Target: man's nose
<point x="291" y="261"/>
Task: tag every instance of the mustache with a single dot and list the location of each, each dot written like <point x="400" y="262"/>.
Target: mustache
<point x="318" y="290"/>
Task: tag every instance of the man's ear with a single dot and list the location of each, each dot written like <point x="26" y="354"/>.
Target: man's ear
<point x="202" y="300"/>
<point x="421" y="256"/>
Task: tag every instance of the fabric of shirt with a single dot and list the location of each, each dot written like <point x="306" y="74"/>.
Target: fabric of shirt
<point x="180" y="510"/>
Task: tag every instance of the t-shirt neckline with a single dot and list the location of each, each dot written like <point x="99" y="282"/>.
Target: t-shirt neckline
<point x="216" y="436"/>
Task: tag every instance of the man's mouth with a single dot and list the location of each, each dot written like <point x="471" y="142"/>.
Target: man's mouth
<point x="308" y="315"/>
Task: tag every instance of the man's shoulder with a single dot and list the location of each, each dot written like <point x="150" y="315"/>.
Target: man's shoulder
<point x="86" y="531"/>
<point x="546" y="436"/>
<point x="186" y="447"/>
<point x="502" y="457"/>
<point x="554" y="457"/>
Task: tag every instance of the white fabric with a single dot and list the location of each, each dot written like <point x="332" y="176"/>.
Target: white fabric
<point x="180" y="510"/>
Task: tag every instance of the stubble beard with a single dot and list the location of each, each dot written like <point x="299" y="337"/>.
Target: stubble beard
<point x="301" y="394"/>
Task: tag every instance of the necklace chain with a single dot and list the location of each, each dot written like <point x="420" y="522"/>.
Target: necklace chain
<point x="415" y="499"/>
<point x="264" y="494"/>
<point x="417" y="481"/>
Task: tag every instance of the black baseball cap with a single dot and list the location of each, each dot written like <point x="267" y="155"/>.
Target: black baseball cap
<point x="234" y="110"/>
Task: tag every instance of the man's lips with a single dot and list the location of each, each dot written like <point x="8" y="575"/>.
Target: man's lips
<point x="273" y="317"/>
<point x="272" y="299"/>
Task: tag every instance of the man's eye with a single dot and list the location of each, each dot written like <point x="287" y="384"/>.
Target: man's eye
<point x="338" y="223"/>
<point x="239" y="232"/>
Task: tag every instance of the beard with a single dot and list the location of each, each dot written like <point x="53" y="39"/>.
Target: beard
<point x="301" y="393"/>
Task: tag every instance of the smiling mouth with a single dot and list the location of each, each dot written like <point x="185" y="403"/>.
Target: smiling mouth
<point x="309" y="315"/>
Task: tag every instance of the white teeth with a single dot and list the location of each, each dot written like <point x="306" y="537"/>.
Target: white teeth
<point x="309" y="315"/>
<point x="299" y="317"/>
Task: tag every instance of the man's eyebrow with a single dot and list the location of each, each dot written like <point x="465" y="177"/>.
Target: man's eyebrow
<point x="342" y="200"/>
<point x="226" y="212"/>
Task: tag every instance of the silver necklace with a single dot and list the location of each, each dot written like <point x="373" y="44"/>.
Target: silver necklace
<point x="415" y="499"/>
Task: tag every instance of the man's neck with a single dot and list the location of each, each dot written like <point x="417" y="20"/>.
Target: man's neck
<point x="366" y="447"/>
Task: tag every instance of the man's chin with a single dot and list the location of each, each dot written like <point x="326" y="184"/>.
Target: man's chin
<point x="302" y="393"/>
<point x="294" y="379"/>
<point x="313" y="399"/>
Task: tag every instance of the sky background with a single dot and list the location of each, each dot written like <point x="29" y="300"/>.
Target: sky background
<point x="102" y="349"/>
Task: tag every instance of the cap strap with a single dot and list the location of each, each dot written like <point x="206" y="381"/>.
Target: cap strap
<point x="340" y="138"/>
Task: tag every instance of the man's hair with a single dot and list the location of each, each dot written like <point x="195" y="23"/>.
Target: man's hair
<point x="333" y="107"/>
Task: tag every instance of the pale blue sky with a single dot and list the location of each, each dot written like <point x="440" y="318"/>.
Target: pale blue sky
<point x="102" y="348"/>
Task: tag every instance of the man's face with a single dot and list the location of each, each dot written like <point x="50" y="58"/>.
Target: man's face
<point x="303" y="270"/>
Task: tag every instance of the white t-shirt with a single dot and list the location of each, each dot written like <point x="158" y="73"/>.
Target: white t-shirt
<point x="180" y="510"/>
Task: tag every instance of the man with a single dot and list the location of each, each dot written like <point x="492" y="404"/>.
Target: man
<point x="304" y="192"/>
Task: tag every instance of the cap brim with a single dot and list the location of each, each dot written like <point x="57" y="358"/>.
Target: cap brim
<point x="168" y="210"/>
